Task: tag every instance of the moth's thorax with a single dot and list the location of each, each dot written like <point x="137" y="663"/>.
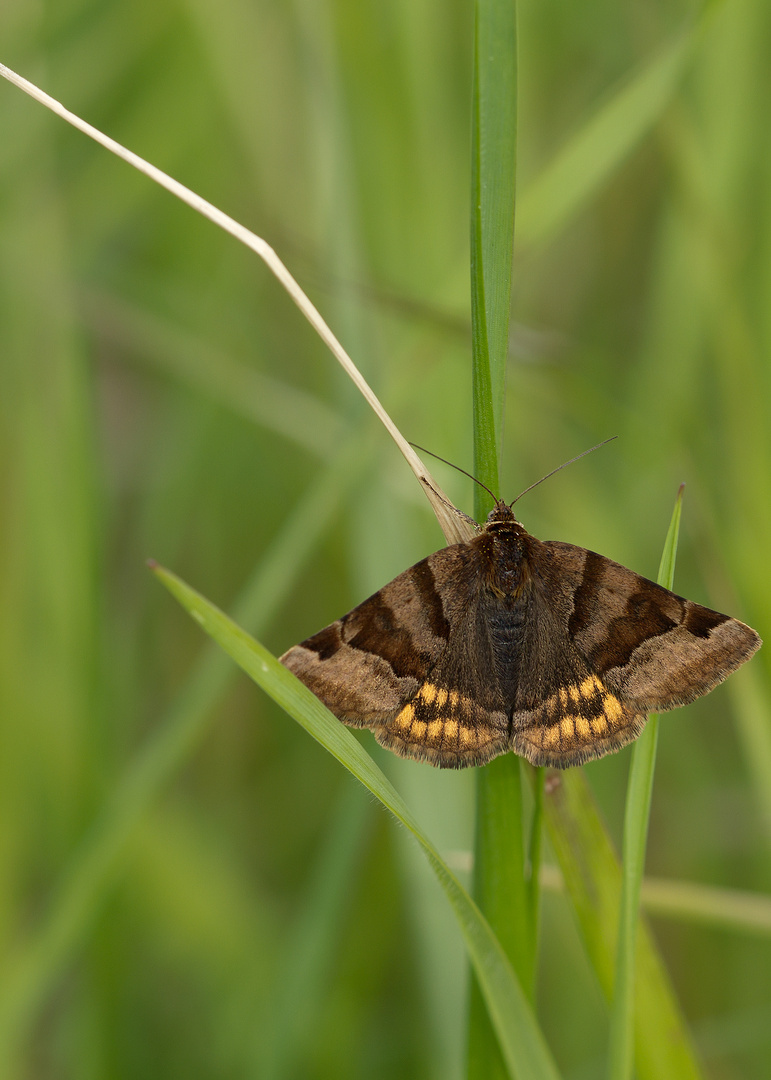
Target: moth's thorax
<point x="503" y="543"/>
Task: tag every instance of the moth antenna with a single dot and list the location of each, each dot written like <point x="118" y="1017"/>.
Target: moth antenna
<point x="468" y="474"/>
<point x="564" y="465"/>
<point x="447" y="503"/>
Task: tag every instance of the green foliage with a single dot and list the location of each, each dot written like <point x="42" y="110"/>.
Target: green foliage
<point x="172" y="849"/>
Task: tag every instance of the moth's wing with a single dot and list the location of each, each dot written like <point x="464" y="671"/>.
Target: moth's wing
<point x="654" y="648"/>
<point x="399" y="664"/>
<point x="633" y="646"/>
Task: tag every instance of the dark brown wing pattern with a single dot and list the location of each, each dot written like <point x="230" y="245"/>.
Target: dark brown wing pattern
<point x="634" y="648"/>
<point x="400" y="664"/>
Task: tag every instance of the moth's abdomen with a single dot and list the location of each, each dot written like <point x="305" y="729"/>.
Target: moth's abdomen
<point x="506" y="630"/>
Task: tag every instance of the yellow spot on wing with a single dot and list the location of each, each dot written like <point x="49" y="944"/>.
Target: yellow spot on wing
<point x="551" y="735"/>
<point x="583" y="728"/>
<point x="428" y="693"/>
<point x="406" y="716"/>
<point x="435" y="730"/>
<point x="590" y="685"/>
<point x="599" y="725"/>
<point x="612" y="708"/>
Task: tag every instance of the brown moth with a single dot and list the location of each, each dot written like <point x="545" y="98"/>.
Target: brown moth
<point x="509" y="643"/>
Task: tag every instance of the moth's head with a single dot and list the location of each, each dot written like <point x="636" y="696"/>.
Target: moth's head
<point x="501" y="512"/>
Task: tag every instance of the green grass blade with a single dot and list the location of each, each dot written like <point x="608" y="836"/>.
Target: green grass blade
<point x="499" y="865"/>
<point x="725" y="909"/>
<point x="592" y="875"/>
<point x="500" y="889"/>
<point x="636" y="817"/>
<point x="522" y="1043"/>
<point x="493" y="163"/>
<point x="533" y="869"/>
<point x="686" y="902"/>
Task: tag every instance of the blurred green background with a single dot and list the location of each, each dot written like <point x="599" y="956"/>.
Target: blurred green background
<point x="191" y="887"/>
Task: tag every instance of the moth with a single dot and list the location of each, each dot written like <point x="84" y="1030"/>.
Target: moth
<point x="506" y="642"/>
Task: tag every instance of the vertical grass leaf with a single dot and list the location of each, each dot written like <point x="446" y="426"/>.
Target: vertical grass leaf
<point x="499" y="864"/>
<point x="636" y="817"/>
<point x="493" y="175"/>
